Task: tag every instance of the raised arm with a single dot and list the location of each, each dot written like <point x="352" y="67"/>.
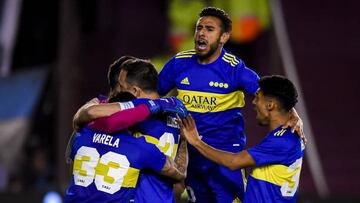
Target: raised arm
<point x="93" y="110"/>
<point x="230" y="160"/>
<point x="121" y="119"/>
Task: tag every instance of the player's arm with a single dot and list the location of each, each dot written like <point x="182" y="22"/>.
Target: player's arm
<point x="170" y="170"/>
<point x="121" y="119"/>
<point x="92" y="110"/>
<point x="181" y="160"/>
<point x="230" y="160"/>
<point x="137" y="111"/>
<point x="182" y="157"/>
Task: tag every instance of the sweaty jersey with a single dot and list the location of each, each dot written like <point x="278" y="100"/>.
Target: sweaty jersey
<point x="106" y="167"/>
<point x="278" y="164"/>
<point x="213" y="93"/>
<point x="163" y="132"/>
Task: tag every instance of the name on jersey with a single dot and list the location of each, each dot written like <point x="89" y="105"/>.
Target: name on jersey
<point x="199" y="102"/>
<point x="106" y="140"/>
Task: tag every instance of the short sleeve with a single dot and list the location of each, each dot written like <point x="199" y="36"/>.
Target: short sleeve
<point x="247" y="78"/>
<point x="271" y="150"/>
<point x="166" y="80"/>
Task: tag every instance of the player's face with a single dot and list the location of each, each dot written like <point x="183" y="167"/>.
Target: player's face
<point x="207" y="36"/>
<point x="260" y="102"/>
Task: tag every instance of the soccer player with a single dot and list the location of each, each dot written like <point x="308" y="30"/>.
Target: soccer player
<point x="106" y="167"/>
<point x="139" y="77"/>
<point x="211" y="82"/>
<point x="277" y="160"/>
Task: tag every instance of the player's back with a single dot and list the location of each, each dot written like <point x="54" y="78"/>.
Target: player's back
<point x="106" y="167"/>
<point x="278" y="164"/>
<point x="163" y="132"/>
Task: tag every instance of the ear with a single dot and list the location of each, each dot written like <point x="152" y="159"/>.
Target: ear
<point x="270" y="105"/>
<point x="224" y="37"/>
<point x="136" y="91"/>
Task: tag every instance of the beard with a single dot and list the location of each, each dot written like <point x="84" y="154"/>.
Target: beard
<point x="213" y="49"/>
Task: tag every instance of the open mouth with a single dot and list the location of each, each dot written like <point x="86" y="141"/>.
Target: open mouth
<point x="201" y="44"/>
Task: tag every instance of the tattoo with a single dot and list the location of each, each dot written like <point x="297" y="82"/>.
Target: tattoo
<point x="182" y="158"/>
<point x="171" y="171"/>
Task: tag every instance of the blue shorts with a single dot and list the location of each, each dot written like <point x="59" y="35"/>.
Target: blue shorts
<point x="208" y="182"/>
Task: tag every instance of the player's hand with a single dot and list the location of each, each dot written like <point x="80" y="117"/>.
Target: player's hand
<point x="93" y="101"/>
<point x="170" y="105"/>
<point x="188" y="129"/>
<point x="296" y="125"/>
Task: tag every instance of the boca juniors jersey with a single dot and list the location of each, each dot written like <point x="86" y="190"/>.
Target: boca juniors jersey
<point x="278" y="164"/>
<point x="213" y="93"/>
<point x="106" y="167"/>
<point x="163" y="132"/>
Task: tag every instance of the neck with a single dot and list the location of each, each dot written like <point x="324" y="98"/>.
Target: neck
<point x="211" y="58"/>
<point x="277" y="119"/>
<point x="150" y="95"/>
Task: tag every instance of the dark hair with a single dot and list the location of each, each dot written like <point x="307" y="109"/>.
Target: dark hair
<point x="219" y="13"/>
<point x="114" y="71"/>
<point x="122" y="97"/>
<point x="142" y="74"/>
<point x="280" y="88"/>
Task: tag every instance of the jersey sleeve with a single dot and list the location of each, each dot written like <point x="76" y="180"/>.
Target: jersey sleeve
<point x="271" y="150"/>
<point x="166" y="80"/>
<point x="121" y="119"/>
<point x="247" y="78"/>
<point x="152" y="157"/>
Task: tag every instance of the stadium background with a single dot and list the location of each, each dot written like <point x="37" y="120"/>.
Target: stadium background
<point x="55" y="54"/>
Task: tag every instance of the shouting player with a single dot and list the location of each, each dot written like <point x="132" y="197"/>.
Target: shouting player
<point x="211" y="82"/>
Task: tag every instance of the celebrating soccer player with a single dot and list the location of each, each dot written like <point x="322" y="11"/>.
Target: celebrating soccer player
<point x="277" y="160"/>
<point x="211" y="82"/>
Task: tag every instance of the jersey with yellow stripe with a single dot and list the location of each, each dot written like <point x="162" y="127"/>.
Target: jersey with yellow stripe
<point x="163" y="132"/>
<point x="278" y="164"/>
<point x="106" y="167"/>
<point x="213" y="93"/>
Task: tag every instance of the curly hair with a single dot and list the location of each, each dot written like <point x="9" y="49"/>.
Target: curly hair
<point x="280" y="88"/>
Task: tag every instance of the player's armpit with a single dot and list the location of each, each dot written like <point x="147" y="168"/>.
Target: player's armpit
<point x="170" y="170"/>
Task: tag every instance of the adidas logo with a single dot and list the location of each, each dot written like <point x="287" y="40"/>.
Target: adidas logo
<point x="185" y="81"/>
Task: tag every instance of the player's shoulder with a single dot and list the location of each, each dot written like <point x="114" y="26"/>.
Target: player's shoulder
<point x="183" y="55"/>
<point x="231" y="59"/>
<point x="284" y="135"/>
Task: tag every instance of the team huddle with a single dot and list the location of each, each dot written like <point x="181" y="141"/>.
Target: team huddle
<point x="136" y="146"/>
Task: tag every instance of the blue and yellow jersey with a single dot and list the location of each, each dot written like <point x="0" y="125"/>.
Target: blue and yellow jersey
<point x="213" y="93"/>
<point x="278" y="164"/>
<point x="106" y="167"/>
<point x="163" y="132"/>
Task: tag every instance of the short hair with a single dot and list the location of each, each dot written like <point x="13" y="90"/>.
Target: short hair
<point x="114" y="71"/>
<point x="219" y="13"/>
<point x="122" y="97"/>
<point x="141" y="73"/>
<point x="280" y="88"/>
